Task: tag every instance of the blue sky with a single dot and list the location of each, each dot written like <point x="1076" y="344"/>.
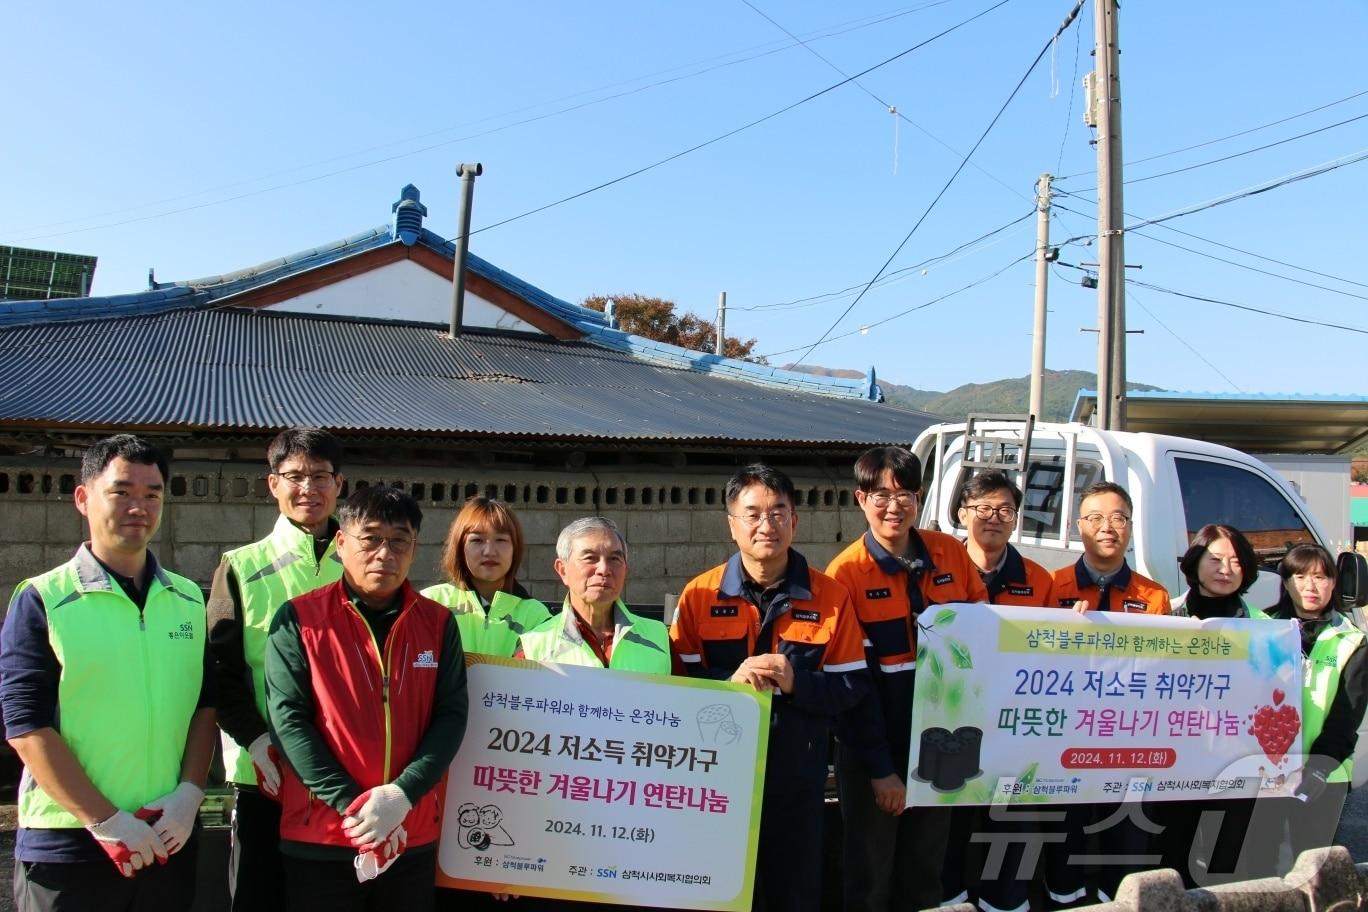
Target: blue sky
<point x="199" y="140"/>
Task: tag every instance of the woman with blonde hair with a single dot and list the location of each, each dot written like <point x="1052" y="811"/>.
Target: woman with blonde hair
<point x="483" y="552"/>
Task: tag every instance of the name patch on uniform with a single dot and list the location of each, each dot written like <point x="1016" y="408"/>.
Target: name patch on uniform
<point x="943" y="579"/>
<point x="723" y="611"/>
<point x="810" y="616"/>
<point x="1132" y="605"/>
<point x="1067" y="602"/>
<point x="425" y="660"/>
<point x="1020" y="590"/>
<point x="186" y="631"/>
<point x="878" y="593"/>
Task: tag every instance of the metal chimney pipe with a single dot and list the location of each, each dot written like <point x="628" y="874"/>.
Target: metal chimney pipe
<point x="467" y="173"/>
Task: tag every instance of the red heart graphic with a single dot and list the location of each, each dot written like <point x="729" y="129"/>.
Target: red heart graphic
<point x="1278" y="697"/>
<point x="1276" y="729"/>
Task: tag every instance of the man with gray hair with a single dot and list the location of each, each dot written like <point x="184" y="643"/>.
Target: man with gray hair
<point x="594" y="627"/>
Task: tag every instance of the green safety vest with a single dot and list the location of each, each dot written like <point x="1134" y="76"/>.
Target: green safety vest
<point x="129" y="684"/>
<point x="1329" y="654"/>
<point x="639" y="644"/>
<point x="1321" y="672"/>
<point x="493" y="632"/>
<point x="269" y="573"/>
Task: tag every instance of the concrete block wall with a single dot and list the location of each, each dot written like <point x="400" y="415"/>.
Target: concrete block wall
<point x="674" y="519"/>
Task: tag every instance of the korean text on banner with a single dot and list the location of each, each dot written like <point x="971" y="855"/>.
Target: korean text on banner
<point x="1039" y="704"/>
<point x="606" y="786"/>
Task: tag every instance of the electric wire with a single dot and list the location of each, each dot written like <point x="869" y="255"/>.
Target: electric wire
<point x="1249" y="308"/>
<point x="1184" y="342"/>
<point x="1073" y="13"/>
<point x="762" y="50"/>
<point x="735" y="131"/>
<point x="1220" y="139"/>
<point x="923" y="306"/>
<point x="1234" y="155"/>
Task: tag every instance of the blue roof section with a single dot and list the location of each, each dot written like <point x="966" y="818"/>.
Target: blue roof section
<point x="211" y="290"/>
<point x="1086" y="400"/>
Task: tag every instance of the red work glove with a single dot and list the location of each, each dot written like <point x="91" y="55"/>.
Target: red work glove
<point x="129" y="840"/>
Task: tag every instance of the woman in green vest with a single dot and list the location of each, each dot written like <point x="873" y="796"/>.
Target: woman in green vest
<point x="1334" y="694"/>
<point x="484" y="550"/>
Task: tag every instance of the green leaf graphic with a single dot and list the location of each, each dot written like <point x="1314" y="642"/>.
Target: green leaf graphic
<point x="959" y="654"/>
<point x="979" y="793"/>
<point x="934" y="662"/>
<point x="1027" y="779"/>
<point x="921" y="651"/>
<point x="954" y="696"/>
<point x="944" y="616"/>
<point x="934" y="692"/>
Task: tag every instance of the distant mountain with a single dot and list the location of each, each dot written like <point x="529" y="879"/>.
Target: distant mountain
<point x="1000" y="396"/>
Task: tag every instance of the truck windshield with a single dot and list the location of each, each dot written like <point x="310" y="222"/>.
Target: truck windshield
<point x="1217" y="492"/>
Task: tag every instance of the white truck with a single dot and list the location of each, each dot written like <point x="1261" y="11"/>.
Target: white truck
<point x="1178" y="485"/>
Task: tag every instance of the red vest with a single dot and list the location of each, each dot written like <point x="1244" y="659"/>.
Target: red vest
<point x="370" y="711"/>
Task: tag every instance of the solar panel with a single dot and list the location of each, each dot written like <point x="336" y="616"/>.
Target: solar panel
<point x="27" y="275"/>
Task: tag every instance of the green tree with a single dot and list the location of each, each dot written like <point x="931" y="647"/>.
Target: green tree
<point x="655" y="318"/>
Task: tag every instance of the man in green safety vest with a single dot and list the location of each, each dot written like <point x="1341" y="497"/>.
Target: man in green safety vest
<point x="108" y="703"/>
<point x="594" y="627"/>
<point x="249" y="586"/>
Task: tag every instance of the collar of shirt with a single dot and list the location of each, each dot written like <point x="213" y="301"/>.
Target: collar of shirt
<point x="603" y="648"/>
<point x="796" y="582"/>
<point x="1087" y="579"/>
<point x="916" y="560"/>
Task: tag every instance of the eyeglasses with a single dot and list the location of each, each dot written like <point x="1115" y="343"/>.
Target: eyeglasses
<point x="984" y="511"/>
<point x="881" y="499"/>
<point x="778" y="518"/>
<point x="318" y="481"/>
<point x="1114" y="521"/>
<point x="372" y="543"/>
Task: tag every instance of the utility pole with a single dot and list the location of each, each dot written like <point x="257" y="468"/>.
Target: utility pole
<point x="1111" y="254"/>
<point x="1041" y="288"/>
<point x="467" y="173"/>
<point x="720" y="346"/>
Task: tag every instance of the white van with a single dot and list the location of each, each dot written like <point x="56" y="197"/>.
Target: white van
<point x="1178" y="485"/>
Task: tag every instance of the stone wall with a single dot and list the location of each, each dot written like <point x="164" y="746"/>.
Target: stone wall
<point x="673" y="518"/>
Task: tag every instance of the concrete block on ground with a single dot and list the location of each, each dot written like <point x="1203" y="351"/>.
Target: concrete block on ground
<point x="1327" y="877"/>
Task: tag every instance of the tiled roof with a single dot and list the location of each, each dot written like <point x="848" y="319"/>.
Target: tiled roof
<point x="227" y="368"/>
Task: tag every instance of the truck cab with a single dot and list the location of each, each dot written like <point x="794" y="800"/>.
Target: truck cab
<point x="1178" y="485"/>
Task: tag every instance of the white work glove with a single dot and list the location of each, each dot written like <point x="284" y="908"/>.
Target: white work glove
<point x="177" y="821"/>
<point x="374" y="815"/>
<point x="264" y="761"/>
<point x="129" y="842"/>
<point x="371" y="863"/>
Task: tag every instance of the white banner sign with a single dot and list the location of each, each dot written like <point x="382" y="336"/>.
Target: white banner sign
<point x="1043" y="704"/>
<point x="606" y="786"/>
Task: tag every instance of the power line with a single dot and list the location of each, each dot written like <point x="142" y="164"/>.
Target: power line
<point x="996" y="117"/>
<point x="882" y="102"/>
<point x="922" y="306"/>
<point x="813" y="299"/>
<point x="1184" y="342"/>
<point x="1073" y="89"/>
<point x="1352" y="158"/>
<point x="1246" y="307"/>
<point x="740" y="129"/>
<point x="1267" y="272"/>
<point x="1226" y="158"/>
<point x="1220" y="139"/>
<point x="763" y="50"/>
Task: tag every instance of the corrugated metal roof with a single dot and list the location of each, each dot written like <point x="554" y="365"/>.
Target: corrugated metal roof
<point x="233" y="368"/>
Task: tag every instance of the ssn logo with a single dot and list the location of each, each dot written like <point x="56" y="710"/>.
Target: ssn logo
<point x="610" y="873"/>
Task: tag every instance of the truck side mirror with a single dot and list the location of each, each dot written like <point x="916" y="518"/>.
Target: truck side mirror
<point x="1352" y="570"/>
